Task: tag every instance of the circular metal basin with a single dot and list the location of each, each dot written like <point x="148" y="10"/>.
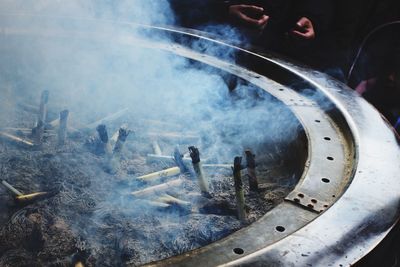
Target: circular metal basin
<point x="347" y="196"/>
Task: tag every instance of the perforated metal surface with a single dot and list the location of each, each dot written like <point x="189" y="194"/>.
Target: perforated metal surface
<point x="348" y="197"/>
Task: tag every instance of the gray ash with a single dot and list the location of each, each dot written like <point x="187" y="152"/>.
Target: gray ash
<point x="94" y="219"/>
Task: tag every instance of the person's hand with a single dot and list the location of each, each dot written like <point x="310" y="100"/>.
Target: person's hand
<point x="251" y="15"/>
<point x="304" y="29"/>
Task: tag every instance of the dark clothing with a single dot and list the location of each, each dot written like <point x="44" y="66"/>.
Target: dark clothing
<point x="287" y="12"/>
<point x="192" y="13"/>
<point x="283" y="17"/>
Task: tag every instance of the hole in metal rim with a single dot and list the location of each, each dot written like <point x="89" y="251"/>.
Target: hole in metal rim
<point x="330" y="158"/>
<point x="238" y="251"/>
<point x="327" y="138"/>
<point x="280" y="229"/>
<point x="326" y="180"/>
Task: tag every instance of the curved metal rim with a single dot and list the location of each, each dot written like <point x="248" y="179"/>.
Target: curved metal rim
<point x="366" y="211"/>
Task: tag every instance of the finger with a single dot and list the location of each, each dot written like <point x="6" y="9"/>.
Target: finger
<point x="300" y="28"/>
<point x="298" y="34"/>
<point x="303" y="35"/>
<point x="254" y="22"/>
<point x="256" y="9"/>
<point x="263" y="21"/>
<point x="309" y="35"/>
<point x="302" y="22"/>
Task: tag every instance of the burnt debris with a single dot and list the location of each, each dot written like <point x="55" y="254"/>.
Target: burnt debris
<point x="86" y="199"/>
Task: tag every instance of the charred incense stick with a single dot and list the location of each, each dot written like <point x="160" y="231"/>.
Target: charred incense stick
<point x="198" y="169"/>
<point x="239" y="189"/>
<point x="16" y="139"/>
<point x="38" y="131"/>
<point x="116" y="156"/>
<point x="62" y="130"/>
<point x="103" y="135"/>
<point x="11" y="188"/>
<point x="108" y="118"/>
<point x="122" y="135"/>
<point x="251" y="170"/>
<point x="114" y="137"/>
<point x="157" y="188"/>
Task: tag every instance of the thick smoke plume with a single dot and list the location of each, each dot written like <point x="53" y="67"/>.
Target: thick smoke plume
<point x="85" y="56"/>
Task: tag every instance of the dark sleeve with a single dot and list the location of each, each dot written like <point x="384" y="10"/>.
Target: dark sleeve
<point x="320" y="12"/>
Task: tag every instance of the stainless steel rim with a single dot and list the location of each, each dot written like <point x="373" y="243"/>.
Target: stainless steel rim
<point x="348" y="197"/>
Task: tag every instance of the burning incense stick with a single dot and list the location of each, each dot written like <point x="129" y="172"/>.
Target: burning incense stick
<point x="157" y="188"/>
<point x="103" y="135"/>
<point x="29" y="198"/>
<point x="198" y="169"/>
<point x="239" y="189"/>
<point x="122" y="135"/>
<point x="114" y="137"/>
<point x="16" y="139"/>
<point x="166" y="198"/>
<point x="181" y="168"/>
<point x="160" y="174"/>
<point x="11" y="188"/>
<point x="116" y="156"/>
<point x="62" y="130"/>
<point x="38" y="131"/>
<point x="158" y="204"/>
<point x="44" y="99"/>
<point x="156" y="148"/>
<point x="251" y="171"/>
